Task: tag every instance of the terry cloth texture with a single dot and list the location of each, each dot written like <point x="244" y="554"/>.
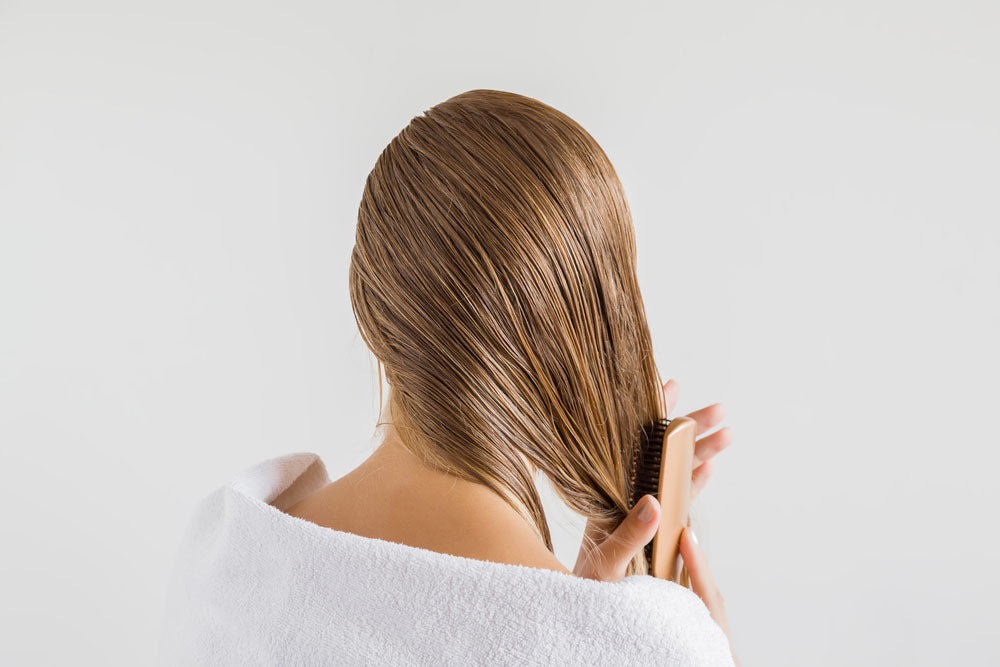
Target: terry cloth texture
<point x="255" y="586"/>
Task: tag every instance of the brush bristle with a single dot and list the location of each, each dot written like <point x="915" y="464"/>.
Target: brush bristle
<point x="646" y="468"/>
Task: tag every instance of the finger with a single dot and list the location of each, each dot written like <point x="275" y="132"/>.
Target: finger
<point x="611" y="558"/>
<point x="711" y="445"/>
<point x="708" y="417"/>
<point x="702" y="582"/>
<point x="697" y="566"/>
<point x="671" y="392"/>
<point x="700" y="477"/>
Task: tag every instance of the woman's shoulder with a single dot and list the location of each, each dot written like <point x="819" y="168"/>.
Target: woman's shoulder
<point x="241" y="529"/>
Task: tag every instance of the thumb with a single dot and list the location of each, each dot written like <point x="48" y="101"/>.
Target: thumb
<point x="612" y="557"/>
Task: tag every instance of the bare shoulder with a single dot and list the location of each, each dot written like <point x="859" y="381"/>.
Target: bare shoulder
<point x="425" y="517"/>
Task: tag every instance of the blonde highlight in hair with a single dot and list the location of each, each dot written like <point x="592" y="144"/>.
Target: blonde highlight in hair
<point x="494" y="276"/>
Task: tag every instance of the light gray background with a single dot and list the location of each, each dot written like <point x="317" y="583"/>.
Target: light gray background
<point x="178" y="189"/>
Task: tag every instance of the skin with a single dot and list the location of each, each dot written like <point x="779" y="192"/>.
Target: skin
<point x="394" y="496"/>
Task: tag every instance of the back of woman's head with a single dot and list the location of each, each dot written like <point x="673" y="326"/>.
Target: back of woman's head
<point x="494" y="276"/>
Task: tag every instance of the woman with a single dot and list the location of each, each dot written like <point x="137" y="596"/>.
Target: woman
<point x="494" y="277"/>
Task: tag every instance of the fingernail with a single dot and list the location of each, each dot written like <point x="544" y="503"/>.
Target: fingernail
<point x="694" y="538"/>
<point x="646" y="511"/>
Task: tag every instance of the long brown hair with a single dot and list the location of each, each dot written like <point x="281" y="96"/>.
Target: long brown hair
<point x="494" y="276"/>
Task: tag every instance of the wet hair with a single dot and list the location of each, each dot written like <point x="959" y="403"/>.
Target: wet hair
<point x="494" y="277"/>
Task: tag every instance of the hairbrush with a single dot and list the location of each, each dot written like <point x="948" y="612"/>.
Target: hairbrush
<point x="662" y="468"/>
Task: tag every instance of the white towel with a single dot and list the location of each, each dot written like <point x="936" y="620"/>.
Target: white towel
<point x="255" y="586"/>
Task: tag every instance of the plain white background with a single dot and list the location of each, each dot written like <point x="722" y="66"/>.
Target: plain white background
<point x="179" y="184"/>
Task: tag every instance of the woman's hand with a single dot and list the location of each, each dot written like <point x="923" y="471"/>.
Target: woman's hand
<point x="608" y="560"/>
<point x="702" y="582"/>
<point x="707" y="447"/>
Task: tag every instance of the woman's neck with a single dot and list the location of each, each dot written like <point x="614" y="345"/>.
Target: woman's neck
<point x="395" y="496"/>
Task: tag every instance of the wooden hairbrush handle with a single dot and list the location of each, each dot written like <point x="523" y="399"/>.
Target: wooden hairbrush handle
<point x="675" y="498"/>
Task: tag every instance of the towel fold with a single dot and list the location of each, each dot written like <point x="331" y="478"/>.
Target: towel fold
<point x="255" y="586"/>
